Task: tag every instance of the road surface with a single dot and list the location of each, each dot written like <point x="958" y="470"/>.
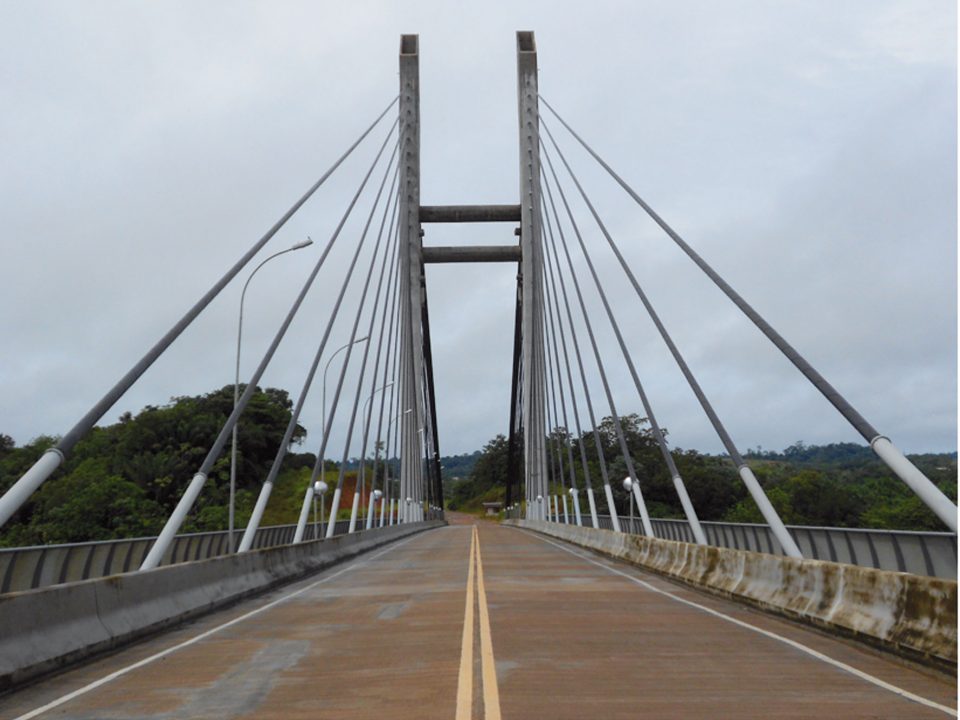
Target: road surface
<point x="477" y="620"/>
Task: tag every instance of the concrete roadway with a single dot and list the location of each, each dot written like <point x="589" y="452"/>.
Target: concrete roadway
<point x="488" y="623"/>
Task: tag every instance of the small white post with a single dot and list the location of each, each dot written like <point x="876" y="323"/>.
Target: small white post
<point x="593" y="508"/>
<point x="174" y="522"/>
<point x="251" y="532"/>
<point x="353" y="512"/>
<point x="644" y="515"/>
<point x="576" y="506"/>
<point x="334" y="509"/>
<point x="33" y="478"/>
<point x="304" y="513"/>
<point x="614" y="518"/>
<point x="370" y="512"/>
<point x="374" y="496"/>
<point x="769" y="513"/>
<point x="698" y="535"/>
<point x="918" y="482"/>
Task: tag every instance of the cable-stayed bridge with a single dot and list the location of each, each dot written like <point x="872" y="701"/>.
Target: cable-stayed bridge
<point x="572" y="607"/>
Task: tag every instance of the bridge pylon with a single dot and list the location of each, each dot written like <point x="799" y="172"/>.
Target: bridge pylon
<point x="419" y="469"/>
<point x="532" y="356"/>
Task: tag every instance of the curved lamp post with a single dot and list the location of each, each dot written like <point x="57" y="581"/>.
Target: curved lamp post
<point x="628" y="486"/>
<point x="236" y="385"/>
<point x="323" y="402"/>
<point x="386" y="463"/>
<point x="319" y="488"/>
<point x="363" y="456"/>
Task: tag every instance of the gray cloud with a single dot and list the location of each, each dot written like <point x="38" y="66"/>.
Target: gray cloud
<point x="807" y="150"/>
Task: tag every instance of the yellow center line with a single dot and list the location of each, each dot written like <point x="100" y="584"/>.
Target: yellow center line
<point x="465" y="682"/>
<point x="491" y="693"/>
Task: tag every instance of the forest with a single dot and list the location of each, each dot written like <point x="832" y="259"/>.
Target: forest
<point x="123" y="479"/>
<point x="839" y="485"/>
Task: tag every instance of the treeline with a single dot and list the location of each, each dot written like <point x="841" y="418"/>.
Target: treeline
<point x="123" y="480"/>
<point x="840" y="485"/>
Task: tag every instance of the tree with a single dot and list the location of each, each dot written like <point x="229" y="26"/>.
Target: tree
<point x="139" y="467"/>
<point x="90" y="504"/>
<point x="487" y="480"/>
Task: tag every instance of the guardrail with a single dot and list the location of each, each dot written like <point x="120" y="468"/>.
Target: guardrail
<point x="919" y="552"/>
<point x="52" y="627"/>
<point x="910" y="615"/>
<point x="27" y="568"/>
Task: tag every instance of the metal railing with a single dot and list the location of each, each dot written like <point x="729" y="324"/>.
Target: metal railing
<point x="913" y="551"/>
<point x="27" y="568"/>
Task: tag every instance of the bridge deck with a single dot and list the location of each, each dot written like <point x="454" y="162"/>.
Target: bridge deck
<point x="565" y="633"/>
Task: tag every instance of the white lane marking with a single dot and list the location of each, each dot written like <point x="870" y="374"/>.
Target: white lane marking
<point x="163" y="653"/>
<point x="792" y="643"/>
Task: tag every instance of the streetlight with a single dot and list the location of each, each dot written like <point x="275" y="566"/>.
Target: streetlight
<point x="574" y="495"/>
<point x="363" y="457"/>
<point x="386" y="462"/>
<point x="423" y="462"/>
<point x="323" y="402"/>
<point x="323" y="406"/>
<point x="319" y="488"/>
<point x="236" y="383"/>
<point x="628" y="486"/>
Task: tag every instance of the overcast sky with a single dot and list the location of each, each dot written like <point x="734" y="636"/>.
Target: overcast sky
<point x="806" y="149"/>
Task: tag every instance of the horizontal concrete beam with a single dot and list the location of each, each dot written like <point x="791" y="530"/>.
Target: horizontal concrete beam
<point x="911" y="615"/>
<point x="49" y="628"/>
<point x="469" y="213"/>
<point x="472" y="253"/>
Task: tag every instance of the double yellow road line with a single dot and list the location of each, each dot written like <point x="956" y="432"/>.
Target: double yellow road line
<point x="488" y="670"/>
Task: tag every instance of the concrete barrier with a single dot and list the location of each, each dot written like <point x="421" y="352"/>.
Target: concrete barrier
<point x="49" y="628"/>
<point x="912" y="615"/>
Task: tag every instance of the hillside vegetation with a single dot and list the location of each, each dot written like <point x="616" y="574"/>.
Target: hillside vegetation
<point x="123" y="480"/>
<point x="840" y="485"/>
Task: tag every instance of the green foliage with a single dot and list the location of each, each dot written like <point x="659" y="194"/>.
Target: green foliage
<point x="123" y="480"/>
<point x="88" y="504"/>
<point x="455" y="469"/>
<point x="837" y="485"/>
<point x="487" y="480"/>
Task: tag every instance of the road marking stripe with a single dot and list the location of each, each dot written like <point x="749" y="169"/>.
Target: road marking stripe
<point x="491" y="693"/>
<point x="465" y="680"/>
<point x="146" y="661"/>
<point x="792" y="643"/>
